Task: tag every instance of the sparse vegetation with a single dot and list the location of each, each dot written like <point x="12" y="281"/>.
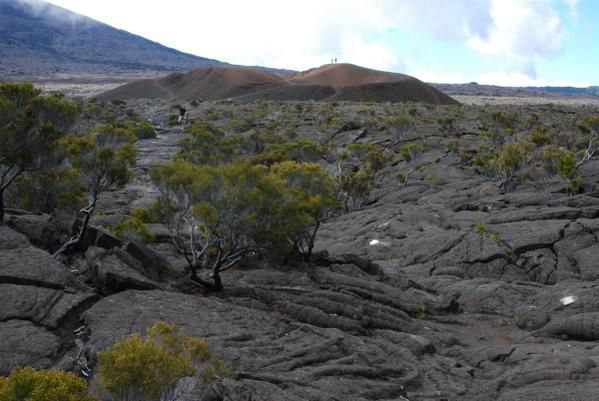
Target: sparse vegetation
<point x="158" y="366"/>
<point x="481" y="229"/>
<point x="29" y="384"/>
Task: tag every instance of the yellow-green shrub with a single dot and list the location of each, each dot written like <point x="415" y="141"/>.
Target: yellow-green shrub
<point x="133" y="226"/>
<point x="28" y="384"/>
<point x="151" y="366"/>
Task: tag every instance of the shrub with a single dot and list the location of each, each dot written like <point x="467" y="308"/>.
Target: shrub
<point x="156" y="366"/>
<point x="302" y="150"/>
<point x="482" y="230"/>
<point x="47" y="190"/>
<point x="310" y="194"/>
<point x="173" y="120"/>
<point x="132" y="227"/>
<point x="355" y="188"/>
<point x="218" y="214"/>
<point x="505" y="163"/>
<point x="399" y="126"/>
<point x="142" y="130"/>
<point x="240" y="124"/>
<point x="28" y="384"/>
<point x="446" y="125"/>
<point x="30" y="127"/>
<point x="411" y="153"/>
<point x="209" y="145"/>
<point x="103" y="161"/>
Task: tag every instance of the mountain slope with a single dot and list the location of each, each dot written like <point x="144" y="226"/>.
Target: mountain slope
<point x="39" y="38"/>
<point x="208" y="83"/>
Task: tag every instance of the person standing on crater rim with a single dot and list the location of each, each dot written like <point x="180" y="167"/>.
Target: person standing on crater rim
<point x="182" y="116"/>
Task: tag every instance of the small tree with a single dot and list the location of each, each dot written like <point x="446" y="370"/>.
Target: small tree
<point x="158" y="366"/>
<point x="558" y="161"/>
<point x="509" y="160"/>
<point x="310" y="193"/>
<point x="103" y="161"/>
<point x="358" y="168"/>
<point x="355" y="187"/>
<point x="411" y="153"/>
<point x="447" y="125"/>
<point x="30" y="126"/>
<point x="28" y="384"/>
<point x="218" y="214"/>
<point x="209" y="145"/>
<point x="399" y="126"/>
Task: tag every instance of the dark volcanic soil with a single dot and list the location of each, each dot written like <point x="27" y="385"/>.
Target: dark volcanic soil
<point x="405" y="301"/>
<point x="335" y="82"/>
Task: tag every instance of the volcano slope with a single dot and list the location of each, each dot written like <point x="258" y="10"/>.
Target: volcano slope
<point x="339" y="82"/>
<point x="436" y="284"/>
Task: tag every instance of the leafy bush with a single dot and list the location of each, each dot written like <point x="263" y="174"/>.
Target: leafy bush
<point x="504" y="163"/>
<point x="142" y="130"/>
<point x="411" y="153"/>
<point x="356" y="186"/>
<point x="302" y="150"/>
<point x="103" y="161"/>
<point x="399" y="126"/>
<point x="46" y="191"/>
<point x="209" y="145"/>
<point x="218" y="214"/>
<point x="28" y="384"/>
<point x="447" y="125"/>
<point x="132" y="228"/>
<point x="31" y="126"/>
<point x="156" y="366"/>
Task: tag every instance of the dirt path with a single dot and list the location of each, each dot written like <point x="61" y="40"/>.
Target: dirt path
<point x="140" y="191"/>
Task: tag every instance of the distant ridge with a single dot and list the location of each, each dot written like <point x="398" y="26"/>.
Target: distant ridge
<point x="569" y="90"/>
<point x="39" y="38"/>
<point x="329" y="82"/>
<point x="475" y="89"/>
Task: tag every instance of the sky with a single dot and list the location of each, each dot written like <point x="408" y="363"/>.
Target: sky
<point x="500" y="42"/>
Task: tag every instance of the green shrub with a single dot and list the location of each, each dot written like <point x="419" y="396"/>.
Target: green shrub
<point x="28" y="384"/>
<point x="482" y="230"/>
<point x="356" y="187"/>
<point x="143" y="130"/>
<point x="302" y="150"/>
<point x="173" y="120"/>
<point x="209" y="145"/>
<point x="221" y="213"/>
<point x="46" y="191"/>
<point x="132" y="228"/>
<point x="150" y="367"/>
<point x="31" y="126"/>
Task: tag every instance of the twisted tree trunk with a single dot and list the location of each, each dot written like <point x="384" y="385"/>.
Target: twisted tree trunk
<point x="87" y="211"/>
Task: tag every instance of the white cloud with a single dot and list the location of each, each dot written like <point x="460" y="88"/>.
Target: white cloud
<point x="447" y="20"/>
<point x="523" y="31"/>
<point x="301" y="35"/>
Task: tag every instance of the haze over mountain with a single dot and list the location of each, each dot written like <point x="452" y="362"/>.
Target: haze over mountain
<point x="329" y="82"/>
<point x="38" y="38"/>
